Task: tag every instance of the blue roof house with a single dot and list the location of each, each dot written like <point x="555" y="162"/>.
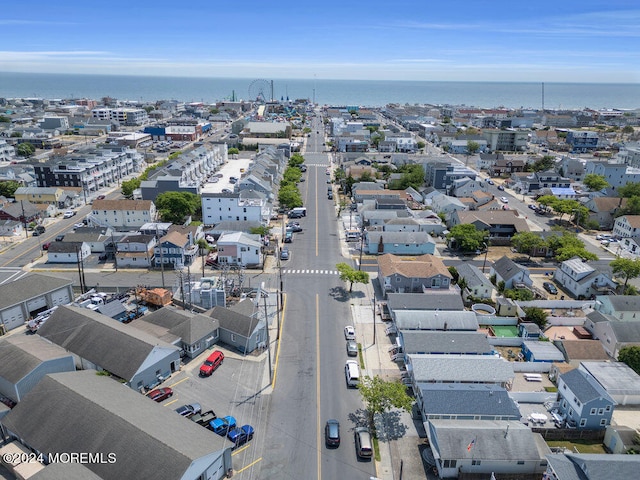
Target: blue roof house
<point x="582" y="401"/>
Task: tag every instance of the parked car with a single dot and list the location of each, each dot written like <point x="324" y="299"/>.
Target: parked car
<point x="294" y="226"/>
<point x="330" y="196"/>
<point x="203" y="418"/>
<point x="550" y="287"/>
<point x="349" y="333"/>
<point x="364" y="446"/>
<point x="332" y="433"/>
<point x="59" y="238"/>
<point x="284" y="253"/>
<point x="69" y="214"/>
<point x="303" y="168"/>
<point x="226" y="190"/>
<point x="78" y="225"/>
<point x="221" y="426"/>
<point x="504" y="199"/>
<point x="288" y="237"/>
<point x="352" y="348"/>
<point x="603" y="236"/>
<point x="45" y="246"/>
<point x="100" y="197"/>
<point x="240" y="436"/>
<point x="490" y="182"/>
<point x="160" y="394"/>
<point x="212" y="362"/>
<point x="501" y="188"/>
<point x="189" y="410"/>
<point x="532" y="207"/>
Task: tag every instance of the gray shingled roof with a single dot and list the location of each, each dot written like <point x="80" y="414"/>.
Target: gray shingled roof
<point x="626" y="332"/>
<point x="507" y="268"/>
<point x="29" y="286"/>
<point x="584" y="386"/>
<point x="428" y="341"/>
<point x="544" y="351"/>
<point x="65" y="471"/>
<point x="468" y="399"/>
<point x="105" y="342"/>
<point x="20" y="355"/>
<point x="616" y="378"/>
<point x="435" y="320"/>
<point x="418" y="301"/>
<point x="463" y="368"/>
<point x="494" y="440"/>
<point x="235" y="321"/>
<point x="625" y="303"/>
<point x="473" y="276"/>
<point x="593" y="466"/>
<point x="84" y="412"/>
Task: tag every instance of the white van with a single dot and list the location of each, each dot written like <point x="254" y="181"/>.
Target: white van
<point x="352" y="373"/>
<point x="300" y="211"/>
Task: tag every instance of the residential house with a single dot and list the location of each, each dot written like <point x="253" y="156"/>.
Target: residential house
<point x="399" y="243"/>
<point x="373" y="217"/>
<point x="262" y="184"/>
<point x="24" y="212"/>
<point x="240" y="248"/>
<point x="531" y="182"/>
<point x="63" y="412"/>
<point x="581" y="280"/>
<point x="478" y="369"/>
<point x="529" y="330"/>
<point x="27" y="296"/>
<point x="512" y="274"/>
<point x="507" y="166"/>
<point x="544" y="137"/>
<point x="616" y="174"/>
<point x="486" y="447"/>
<point x="460" y="401"/>
<point x="613" y="333"/>
<point x="123" y="214"/>
<point x="11" y="228"/>
<point x="408" y="317"/>
<point x="618" y="379"/>
<point x="414" y="275"/>
<point x="582" y="141"/>
<point x="55" y="196"/>
<point x="464" y="187"/>
<point x="476" y="284"/>
<point x="487" y="160"/>
<point x="620" y="439"/>
<point x="360" y="195"/>
<point x="449" y="342"/>
<point x="193" y="334"/>
<point x="446" y="205"/>
<point x="99" y="239"/>
<point x="500" y="140"/>
<point x="627" y="226"/>
<point x="430" y="300"/>
<point x="603" y="210"/>
<point x="576" y="351"/>
<point x="68" y="252"/>
<point x="135" y="250"/>
<point x="573" y="168"/>
<point x="622" y="307"/>
<point x="401" y="224"/>
<point x="246" y="206"/>
<point x="98" y="342"/>
<point x="582" y="402"/>
<point x="592" y="466"/>
<point x="501" y="224"/>
<point x="25" y="360"/>
<point x="175" y="250"/>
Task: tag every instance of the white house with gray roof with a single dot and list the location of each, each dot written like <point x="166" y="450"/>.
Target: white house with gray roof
<point x="443" y="342"/>
<point x="582" y="280"/>
<point x="399" y="243"/>
<point x="592" y="466"/>
<point x="477" y="285"/>
<point x="138" y="438"/>
<point x="617" y="378"/>
<point x="485" y="447"/>
<point x="509" y="272"/>
<point x="459" y="369"/>
<point x="239" y="248"/>
<point x="442" y="300"/>
<point x="445" y="320"/>
<point x="622" y="307"/>
<point x="243" y="325"/>
<point x="25" y="297"/>
<point x="98" y="342"/>
<point x="614" y="334"/>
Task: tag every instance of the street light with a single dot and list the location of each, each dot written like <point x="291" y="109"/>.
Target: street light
<point x="361" y="247"/>
<point x="486" y="252"/>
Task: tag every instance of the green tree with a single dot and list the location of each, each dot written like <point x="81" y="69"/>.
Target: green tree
<point x="542" y="164"/>
<point x="175" y="206"/>
<point x="233" y="151"/>
<point x="26" y="149"/>
<point x="536" y="315"/>
<point x="467" y="237"/>
<point x="16" y="134"/>
<point x="595" y="182"/>
<point x="292" y="175"/>
<point x="8" y="188"/>
<point x="261" y="230"/>
<point x="629" y="190"/>
<point x="630" y="356"/>
<point x="149" y="108"/>
<point x="567" y="246"/>
<point x="521" y="294"/>
<point x="5" y="119"/>
<point x="296" y="160"/>
<point x="381" y="396"/>
<point x="527" y="242"/>
<point x="214" y="111"/>
<point x="625" y="268"/>
<point x="351" y="275"/>
<point x="420" y="144"/>
<point x="128" y="186"/>
<point x="631" y="207"/>
<point x="306" y="130"/>
<point x="472" y="147"/>
<point x="289" y="196"/>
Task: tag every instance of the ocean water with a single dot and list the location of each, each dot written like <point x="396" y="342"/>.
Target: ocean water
<point x="328" y="92"/>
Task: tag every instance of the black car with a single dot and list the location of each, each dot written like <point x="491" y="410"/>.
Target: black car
<point x="550" y="287"/>
<point x="332" y="433"/>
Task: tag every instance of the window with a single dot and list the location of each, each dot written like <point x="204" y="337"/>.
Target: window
<point x="607" y="408"/>
<point x="583" y="422"/>
<point x="601" y="411"/>
<point x="157" y="372"/>
<point x="520" y="462"/>
<point x="603" y="421"/>
<point x="233" y="337"/>
<point x="475" y="462"/>
<point x="592" y="412"/>
<point x="449" y="463"/>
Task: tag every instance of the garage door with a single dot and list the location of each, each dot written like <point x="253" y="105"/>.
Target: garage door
<point x="12" y="317"/>
<point x="60" y="297"/>
<point x="36" y="303"/>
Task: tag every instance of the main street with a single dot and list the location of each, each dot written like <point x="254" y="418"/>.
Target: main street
<point x="310" y="385"/>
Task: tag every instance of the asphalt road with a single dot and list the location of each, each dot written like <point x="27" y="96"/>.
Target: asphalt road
<point x="310" y="383"/>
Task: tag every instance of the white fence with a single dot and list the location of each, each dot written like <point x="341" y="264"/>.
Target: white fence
<point x="577" y="304"/>
<point x="531" y="367"/>
<point x="505" y="341"/>
<point x="493" y="320"/>
<point x="533" y="397"/>
<point x="566" y="321"/>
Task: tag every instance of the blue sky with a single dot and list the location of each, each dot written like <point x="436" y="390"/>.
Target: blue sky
<point x="493" y="40"/>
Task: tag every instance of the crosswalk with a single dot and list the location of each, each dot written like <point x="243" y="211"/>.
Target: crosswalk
<point x="8" y="274"/>
<point x="291" y="271"/>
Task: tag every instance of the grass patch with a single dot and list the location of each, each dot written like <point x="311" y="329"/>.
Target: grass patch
<point x="360" y="356"/>
<point x="376" y="449"/>
<point x="583" y="446"/>
<point x="550" y="389"/>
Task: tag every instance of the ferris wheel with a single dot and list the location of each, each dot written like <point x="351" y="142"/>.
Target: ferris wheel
<point x="260" y="91"/>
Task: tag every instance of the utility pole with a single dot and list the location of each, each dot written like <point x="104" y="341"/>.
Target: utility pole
<point x="374" y="317"/>
<point x="266" y="321"/>
<point x="24" y="221"/>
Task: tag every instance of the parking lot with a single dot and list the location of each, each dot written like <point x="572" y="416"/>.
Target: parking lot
<point x="235" y="388"/>
<point x="233" y="168"/>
